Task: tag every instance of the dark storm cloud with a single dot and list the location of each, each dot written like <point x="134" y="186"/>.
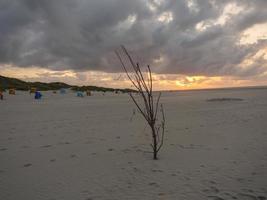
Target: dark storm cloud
<point x="82" y="35"/>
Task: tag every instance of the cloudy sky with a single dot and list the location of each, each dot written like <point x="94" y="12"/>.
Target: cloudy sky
<point x="188" y="43"/>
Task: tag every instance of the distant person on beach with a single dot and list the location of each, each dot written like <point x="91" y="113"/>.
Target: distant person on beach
<point x="1" y="95"/>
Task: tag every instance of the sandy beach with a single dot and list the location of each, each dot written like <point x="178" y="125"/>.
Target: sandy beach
<point x="67" y="148"/>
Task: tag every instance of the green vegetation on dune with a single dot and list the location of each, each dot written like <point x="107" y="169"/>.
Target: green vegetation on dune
<point x="100" y="89"/>
<point x="48" y="86"/>
<point x="7" y="83"/>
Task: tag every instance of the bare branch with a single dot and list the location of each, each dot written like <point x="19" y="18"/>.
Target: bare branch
<point x="124" y="67"/>
<point x="137" y="105"/>
<point x="149" y="110"/>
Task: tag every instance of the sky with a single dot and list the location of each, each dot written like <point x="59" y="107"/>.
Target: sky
<point x="189" y="44"/>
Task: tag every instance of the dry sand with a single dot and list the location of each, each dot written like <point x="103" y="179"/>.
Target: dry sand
<point x="68" y="148"/>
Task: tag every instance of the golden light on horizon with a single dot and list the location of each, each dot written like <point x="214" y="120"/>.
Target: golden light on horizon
<point x="119" y="80"/>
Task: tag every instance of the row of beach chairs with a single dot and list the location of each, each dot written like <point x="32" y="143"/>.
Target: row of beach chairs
<point x="38" y="94"/>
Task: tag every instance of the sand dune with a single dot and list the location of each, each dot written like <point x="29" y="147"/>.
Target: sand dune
<point x="65" y="148"/>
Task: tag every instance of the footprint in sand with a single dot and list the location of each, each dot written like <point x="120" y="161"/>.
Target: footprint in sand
<point x="27" y="165"/>
<point x="153" y="184"/>
<point x="212" y="182"/>
<point x="214" y="189"/>
<point x="156" y="170"/>
<point x="136" y="169"/>
<point x="187" y="178"/>
<point x="215" y="198"/>
<point x="244" y="196"/>
<point x="52" y="160"/>
<point x="248" y="190"/>
<point x="230" y="195"/>
<point x="25" y="147"/>
<point x="46" y="146"/>
<point x="63" y="143"/>
<point x="240" y="180"/>
<point x="211" y="191"/>
<point x="3" y="149"/>
<point x="73" y="156"/>
<point x="126" y="150"/>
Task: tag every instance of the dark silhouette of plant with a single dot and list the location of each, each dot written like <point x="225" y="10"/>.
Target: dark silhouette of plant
<point x="148" y="106"/>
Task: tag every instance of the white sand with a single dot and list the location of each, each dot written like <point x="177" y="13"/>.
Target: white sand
<point x="68" y="148"/>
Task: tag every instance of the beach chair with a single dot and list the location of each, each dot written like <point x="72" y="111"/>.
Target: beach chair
<point x="79" y="94"/>
<point x="38" y="95"/>
<point x="88" y="93"/>
<point x="62" y="91"/>
<point x="12" y="91"/>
